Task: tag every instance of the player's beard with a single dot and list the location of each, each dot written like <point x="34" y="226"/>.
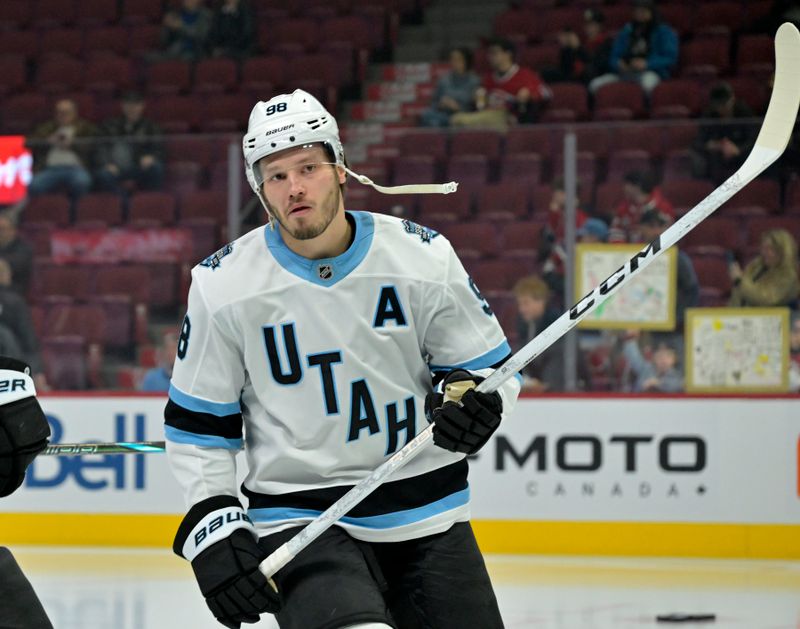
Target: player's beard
<point x="327" y="212"/>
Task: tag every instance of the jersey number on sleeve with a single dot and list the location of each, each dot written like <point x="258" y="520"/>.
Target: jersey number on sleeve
<point x="484" y="304"/>
<point x="183" y="339"/>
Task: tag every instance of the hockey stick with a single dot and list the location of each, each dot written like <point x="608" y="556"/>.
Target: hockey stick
<point x="118" y="447"/>
<point x="770" y="144"/>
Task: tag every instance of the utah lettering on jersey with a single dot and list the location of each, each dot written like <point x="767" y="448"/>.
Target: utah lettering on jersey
<point x="362" y="415"/>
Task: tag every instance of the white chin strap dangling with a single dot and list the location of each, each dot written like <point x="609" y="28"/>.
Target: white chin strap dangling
<point x="421" y="188"/>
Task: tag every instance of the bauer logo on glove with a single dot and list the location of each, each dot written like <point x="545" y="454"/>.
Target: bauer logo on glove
<point x="23" y="426"/>
<point x="463" y="424"/>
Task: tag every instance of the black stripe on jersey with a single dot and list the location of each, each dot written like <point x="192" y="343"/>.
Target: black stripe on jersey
<point x="440" y="374"/>
<point x="228" y="426"/>
<point x="393" y="496"/>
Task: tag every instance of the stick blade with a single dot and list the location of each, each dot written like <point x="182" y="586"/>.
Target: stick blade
<point x="776" y="130"/>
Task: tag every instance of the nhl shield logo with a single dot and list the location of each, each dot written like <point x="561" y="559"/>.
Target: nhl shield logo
<point x="325" y="271"/>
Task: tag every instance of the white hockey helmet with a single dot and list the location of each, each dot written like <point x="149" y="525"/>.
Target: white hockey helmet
<point x="298" y="119"/>
<point x="285" y="121"/>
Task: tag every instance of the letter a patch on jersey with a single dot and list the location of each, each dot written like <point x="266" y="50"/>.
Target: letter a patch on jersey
<point x="215" y="259"/>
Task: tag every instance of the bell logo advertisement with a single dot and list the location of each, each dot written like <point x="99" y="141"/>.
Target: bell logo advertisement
<point x="16" y="164"/>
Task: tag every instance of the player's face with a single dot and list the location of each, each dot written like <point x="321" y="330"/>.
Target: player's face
<point x="302" y="190"/>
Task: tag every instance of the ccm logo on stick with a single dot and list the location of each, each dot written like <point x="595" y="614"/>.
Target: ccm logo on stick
<point x="612" y="282"/>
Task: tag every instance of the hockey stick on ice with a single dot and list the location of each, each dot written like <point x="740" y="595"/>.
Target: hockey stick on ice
<point x="770" y="144"/>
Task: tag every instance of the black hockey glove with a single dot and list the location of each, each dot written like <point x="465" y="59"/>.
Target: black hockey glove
<point x="23" y="426"/>
<point x="463" y="426"/>
<point x="220" y="541"/>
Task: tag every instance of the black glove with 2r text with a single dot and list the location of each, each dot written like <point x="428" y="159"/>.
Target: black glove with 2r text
<point x="23" y="426"/>
<point x="465" y="426"/>
<point x="220" y="541"/>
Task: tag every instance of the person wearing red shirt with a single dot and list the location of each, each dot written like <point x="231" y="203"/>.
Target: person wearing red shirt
<point x="641" y="195"/>
<point x="509" y="94"/>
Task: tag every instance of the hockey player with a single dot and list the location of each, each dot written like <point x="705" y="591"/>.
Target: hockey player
<point x="24" y="432"/>
<point x="314" y="342"/>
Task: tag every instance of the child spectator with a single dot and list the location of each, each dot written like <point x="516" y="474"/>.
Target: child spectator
<point x="510" y="93"/>
<point x="645" y="51"/>
<point x="133" y="151"/>
<point x="771" y="278"/>
<point x="659" y="374"/>
<point x="454" y="92"/>
<point x="719" y="149"/>
<point x="233" y="30"/>
<point x="641" y="195"/>
<point x="61" y="156"/>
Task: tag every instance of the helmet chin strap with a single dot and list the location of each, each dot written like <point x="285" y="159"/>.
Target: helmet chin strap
<point x="417" y="188"/>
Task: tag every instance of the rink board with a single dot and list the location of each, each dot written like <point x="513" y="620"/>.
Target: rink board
<point x="608" y="475"/>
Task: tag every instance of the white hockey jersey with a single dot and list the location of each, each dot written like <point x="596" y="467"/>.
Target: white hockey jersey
<point x="326" y="365"/>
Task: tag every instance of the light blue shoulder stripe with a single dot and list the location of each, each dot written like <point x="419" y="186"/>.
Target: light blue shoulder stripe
<point x="385" y="521"/>
<point x="176" y="435"/>
<point x="199" y="405"/>
<point x="484" y="361"/>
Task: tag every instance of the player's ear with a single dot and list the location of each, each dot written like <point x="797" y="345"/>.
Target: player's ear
<point x="342" y="174"/>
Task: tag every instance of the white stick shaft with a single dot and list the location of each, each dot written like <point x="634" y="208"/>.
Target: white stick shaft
<point x="770" y="144"/>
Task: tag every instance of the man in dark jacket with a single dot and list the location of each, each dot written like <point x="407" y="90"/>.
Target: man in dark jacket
<point x="132" y="150"/>
<point x="720" y="148"/>
<point x="645" y="51"/>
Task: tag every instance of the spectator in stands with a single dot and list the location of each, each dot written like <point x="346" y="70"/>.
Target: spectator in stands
<point x="17" y="337"/>
<point x="454" y="92"/>
<point x="582" y="61"/>
<point x="645" y="51"/>
<point x="721" y="148"/>
<point x="534" y="314"/>
<point x="794" y="353"/>
<point x="132" y="152"/>
<point x="233" y="30"/>
<point x="61" y="153"/>
<point x="510" y="94"/>
<point x="17" y="253"/>
<point x="552" y="253"/>
<point x="771" y="279"/>
<point x="651" y="224"/>
<point x="157" y="378"/>
<point x="658" y="374"/>
<point x="593" y="231"/>
<point x="184" y="34"/>
<point x="641" y="194"/>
